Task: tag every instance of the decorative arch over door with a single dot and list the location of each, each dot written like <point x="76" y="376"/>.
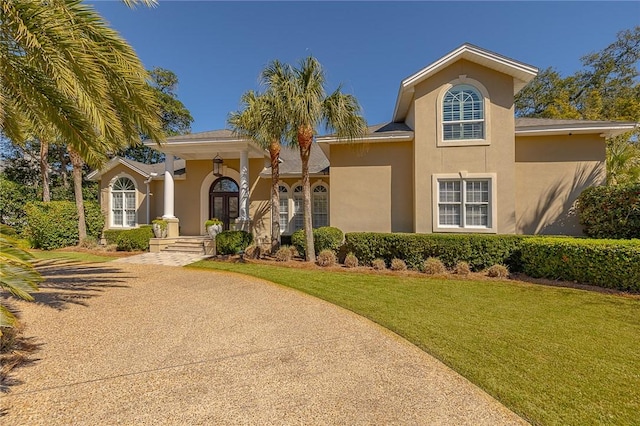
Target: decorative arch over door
<point x="224" y="200"/>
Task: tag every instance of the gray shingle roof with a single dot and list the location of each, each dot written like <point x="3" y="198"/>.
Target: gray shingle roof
<point x="291" y="165"/>
<point x="522" y="123"/>
<point x="382" y="129"/>
<point x="210" y="134"/>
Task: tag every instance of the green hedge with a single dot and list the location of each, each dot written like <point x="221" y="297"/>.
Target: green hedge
<point x="54" y="224"/>
<point x="610" y="211"/>
<point x="233" y="242"/>
<point x="324" y="238"/>
<point x="604" y="263"/>
<point x="111" y="235"/>
<point x="136" y="239"/>
<point x="480" y="251"/>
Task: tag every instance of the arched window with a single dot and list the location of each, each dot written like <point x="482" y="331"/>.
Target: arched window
<point x="284" y="208"/>
<point x="298" y="208"/>
<point x="320" y="206"/>
<point x="123" y="203"/>
<point x="463" y="113"/>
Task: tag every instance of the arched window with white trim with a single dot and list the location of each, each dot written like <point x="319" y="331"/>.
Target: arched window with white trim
<point x="123" y="203"/>
<point x="320" y="205"/>
<point x="284" y="208"/>
<point x="463" y="114"/>
<point x="298" y="208"/>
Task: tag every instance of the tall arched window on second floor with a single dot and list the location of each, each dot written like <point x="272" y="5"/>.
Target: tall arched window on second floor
<point x="123" y="203"/>
<point x="320" y="205"/>
<point x="463" y="113"/>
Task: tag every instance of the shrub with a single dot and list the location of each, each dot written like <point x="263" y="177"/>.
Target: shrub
<point x="111" y="235"/>
<point x="604" y="263"/>
<point x="89" y="243"/>
<point x="498" y="271"/>
<point x="324" y="238"/>
<point x="252" y="252"/>
<point x="433" y="266"/>
<point x="294" y="251"/>
<point x="55" y="224"/>
<point x="379" y="264"/>
<point x="462" y="268"/>
<point x="136" y="239"/>
<point x="480" y="251"/>
<point x="283" y="254"/>
<point x="233" y="242"/>
<point x="326" y="258"/>
<point x="398" y="265"/>
<point x="610" y="211"/>
<point x="351" y="261"/>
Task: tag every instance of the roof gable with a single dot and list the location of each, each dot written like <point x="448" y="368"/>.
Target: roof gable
<point x="521" y="73"/>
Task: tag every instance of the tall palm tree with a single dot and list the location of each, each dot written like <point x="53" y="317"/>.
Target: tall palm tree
<point x="623" y="161"/>
<point x="302" y="90"/>
<point x="64" y="71"/>
<point x="263" y="119"/>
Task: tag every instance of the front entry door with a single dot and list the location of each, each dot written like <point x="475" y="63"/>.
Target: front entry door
<point x="224" y="201"/>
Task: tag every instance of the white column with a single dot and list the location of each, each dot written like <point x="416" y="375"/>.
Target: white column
<point x="244" y="185"/>
<point x="168" y="187"/>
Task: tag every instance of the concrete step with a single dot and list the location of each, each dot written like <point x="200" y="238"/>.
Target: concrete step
<point x="193" y="250"/>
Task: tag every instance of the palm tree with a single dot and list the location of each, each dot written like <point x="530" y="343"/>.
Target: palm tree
<point x="302" y="90"/>
<point x="623" y="160"/>
<point x="263" y="119"/>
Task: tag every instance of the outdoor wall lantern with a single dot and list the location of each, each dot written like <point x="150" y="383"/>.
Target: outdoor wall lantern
<point x="217" y="166"/>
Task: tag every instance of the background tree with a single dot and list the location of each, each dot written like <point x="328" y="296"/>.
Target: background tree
<point x="302" y="91"/>
<point x="263" y="119"/>
<point x="607" y="88"/>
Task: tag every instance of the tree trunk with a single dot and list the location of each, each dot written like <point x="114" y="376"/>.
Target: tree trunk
<point x="76" y="162"/>
<point x="305" y="139"/>
<point x="63" y="168"/>
<point x="274" y="151"/>
<point x="44" y="170"/>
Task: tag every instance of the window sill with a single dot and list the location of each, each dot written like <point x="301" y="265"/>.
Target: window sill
<point x="469" y="230"/>
<point x="463" y="142"/>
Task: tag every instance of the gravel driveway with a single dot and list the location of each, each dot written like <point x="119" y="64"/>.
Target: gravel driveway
<point x="148" y="344"/>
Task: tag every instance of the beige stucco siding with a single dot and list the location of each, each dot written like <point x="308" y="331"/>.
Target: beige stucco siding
<point x="372" y="187"/>
<point x="495" y="157"/>
<point x="551" y="172"/>
<point x="105" y="193"/>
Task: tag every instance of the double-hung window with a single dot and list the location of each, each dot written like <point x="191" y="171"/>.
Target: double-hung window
<point x="123" y="203"/>
<point x="463" y="114"/>
<point x="464" y="203"/>
<point x="284" y="209"/>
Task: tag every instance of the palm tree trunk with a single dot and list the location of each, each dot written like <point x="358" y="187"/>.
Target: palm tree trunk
<point x="274" y="151"/>
<point x="44" y="170"/>
<point x="76" y="162"/>
<point x="305" y="139"/>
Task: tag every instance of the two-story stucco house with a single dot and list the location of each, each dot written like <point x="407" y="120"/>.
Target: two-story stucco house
<point x="453" y="159"/>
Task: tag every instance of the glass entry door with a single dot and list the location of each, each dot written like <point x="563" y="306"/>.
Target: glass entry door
<point x="224" y="201"/>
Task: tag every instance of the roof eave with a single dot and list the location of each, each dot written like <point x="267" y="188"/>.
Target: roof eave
<point x="603" y="131"/>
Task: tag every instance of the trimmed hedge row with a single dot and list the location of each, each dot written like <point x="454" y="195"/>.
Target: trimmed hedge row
<point x="610" y="211"/>
<point x="605" y="263"/>
<point x="324" y="238"/>
<point x="480" y="251"/>
<point x="233" y="242"/>
<point x="136" y="239"/>
<point x="54" y="224"/>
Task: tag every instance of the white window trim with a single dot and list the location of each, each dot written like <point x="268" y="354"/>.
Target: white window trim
<point x="135" y="185"/>
<point x="285" y="231"/>
<point x="326" y="185"/>
<point x="290" y="229"/>
<point x="462" y="176"/>
<point x="463" y="79"/>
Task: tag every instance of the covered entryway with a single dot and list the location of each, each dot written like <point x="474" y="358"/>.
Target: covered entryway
<point x="224" y="196"/>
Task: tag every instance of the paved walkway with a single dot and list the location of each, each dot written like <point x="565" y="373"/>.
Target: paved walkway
<point x="164" y="258"/>
<point x="147" y="344"/>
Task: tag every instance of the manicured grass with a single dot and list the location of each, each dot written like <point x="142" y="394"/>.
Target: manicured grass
<point x="552" y="355"/>
<point x="71" y="255"/>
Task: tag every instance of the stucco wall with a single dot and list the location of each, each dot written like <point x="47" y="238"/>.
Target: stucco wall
<point x="497" y="157"/>
<point x="372" y="187"/>
<point x="551" y="172"/>
<point x="105" y="194"/>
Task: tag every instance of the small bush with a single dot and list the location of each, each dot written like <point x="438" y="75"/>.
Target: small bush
<point x="398" y="265"/>
<point x="252" y="252"/>
<point x="351" y="261"/>
<point x="283" y="254"/>
<point x="498" y="271"/>
<point x="610" y="211"/>
<point x="433" y="266"/>
<point x="379" y="264"/>
<point x="134" y="239"/>
<point x="324" y="238"/>
<point x="233" y="242"/>
<point x="111" y="235"/>
<point x="326" y="258"/>
<point x="89" y="243"/>
<point x="294" y="251"/>
<point x="605" y="263"/>
<point x="462" y="268"/>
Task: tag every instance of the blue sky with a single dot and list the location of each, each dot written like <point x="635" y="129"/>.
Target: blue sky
<point x="218" y="49"/>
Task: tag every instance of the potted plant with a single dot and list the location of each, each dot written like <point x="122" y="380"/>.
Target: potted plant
<point x="159" y="228"/>
<point x="213" y="227"/>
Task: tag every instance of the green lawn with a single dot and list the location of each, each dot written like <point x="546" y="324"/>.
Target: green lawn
<point x="553" y="355"/>
<point x="70" y="255"/>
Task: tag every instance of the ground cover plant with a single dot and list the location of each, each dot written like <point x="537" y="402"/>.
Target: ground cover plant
<point x="552" y="355"/>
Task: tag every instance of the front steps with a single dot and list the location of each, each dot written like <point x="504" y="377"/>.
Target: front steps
<point x="192" y="245"/>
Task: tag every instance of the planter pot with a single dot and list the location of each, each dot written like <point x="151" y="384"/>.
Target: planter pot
<point x="159" y="232"/>
<point x="214" y="230"/>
